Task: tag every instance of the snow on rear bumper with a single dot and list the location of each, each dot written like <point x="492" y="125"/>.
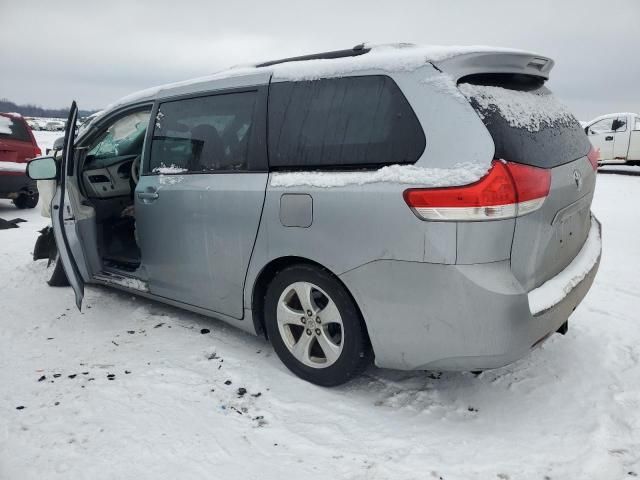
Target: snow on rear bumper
<point x="556" y="289"/>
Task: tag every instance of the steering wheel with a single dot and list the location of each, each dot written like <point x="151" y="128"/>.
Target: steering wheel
<point x="135" y="169"/>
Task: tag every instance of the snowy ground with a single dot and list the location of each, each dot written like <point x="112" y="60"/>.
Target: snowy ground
<point x="45" y="139"/>
<point x="129" y="388"/>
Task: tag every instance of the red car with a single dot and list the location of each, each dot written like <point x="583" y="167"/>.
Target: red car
<point x="17" y="147"/>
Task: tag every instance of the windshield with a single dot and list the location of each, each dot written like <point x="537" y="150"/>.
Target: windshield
<point x="122" y="137"/>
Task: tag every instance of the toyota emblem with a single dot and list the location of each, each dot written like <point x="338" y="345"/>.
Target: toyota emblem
<point x="577" y="177"/>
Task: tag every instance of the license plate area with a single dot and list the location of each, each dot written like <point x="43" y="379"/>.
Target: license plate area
<point x="571" y="229"/>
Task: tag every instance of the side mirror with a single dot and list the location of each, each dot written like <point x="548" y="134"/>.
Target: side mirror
<point x="58" y="144"/>
<point x="42" y="168"/>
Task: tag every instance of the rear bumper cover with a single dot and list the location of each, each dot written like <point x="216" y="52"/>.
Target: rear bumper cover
<point x="12" y="184"/>
<point x="423" y="316"/>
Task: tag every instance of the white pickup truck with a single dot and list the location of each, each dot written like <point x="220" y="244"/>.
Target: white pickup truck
<point x="617" y="135"/>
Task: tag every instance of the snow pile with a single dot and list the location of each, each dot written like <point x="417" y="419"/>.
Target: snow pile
<point x="460" y="174"/>
<point x="526" y="110"/>
<point x="163" y="169"/>
<point x="13" y="166"/>
<point x="557" y="288"/>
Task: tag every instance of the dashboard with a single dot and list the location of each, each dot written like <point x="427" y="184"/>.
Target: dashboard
<point x="105" y="178"/>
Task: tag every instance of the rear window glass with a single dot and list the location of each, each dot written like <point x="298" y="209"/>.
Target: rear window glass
<point x="528" y="126"/>
<point x="341" y="123"/>
<point x="14" y="128"/>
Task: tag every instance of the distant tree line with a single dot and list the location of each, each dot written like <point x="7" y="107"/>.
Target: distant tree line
<point x="36" y="111"/>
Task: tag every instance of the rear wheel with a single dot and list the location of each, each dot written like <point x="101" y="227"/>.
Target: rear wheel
<point x="315" y="326"/>
<point x="25" y="200"/>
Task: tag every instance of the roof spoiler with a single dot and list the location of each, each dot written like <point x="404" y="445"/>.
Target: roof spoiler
<point x="496" y="62"/>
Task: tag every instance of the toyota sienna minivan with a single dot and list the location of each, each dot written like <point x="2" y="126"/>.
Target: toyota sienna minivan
<point x="426" y="207"/>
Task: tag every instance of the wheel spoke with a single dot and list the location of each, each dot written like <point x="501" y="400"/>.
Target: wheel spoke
<point x="331" y="350"/>
<point x="287" y="316"/>
<point x="302" y="348"/>
<point x="303" y="291"/>
<point x="330" y="314"/>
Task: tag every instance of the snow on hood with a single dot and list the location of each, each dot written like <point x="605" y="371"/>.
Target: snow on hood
<point x="460" y="174"/>
<point x="528" y="110"/>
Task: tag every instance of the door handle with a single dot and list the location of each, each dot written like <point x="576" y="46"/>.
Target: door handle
<point x="148" y="196"/>
<point x="608" y="138"/>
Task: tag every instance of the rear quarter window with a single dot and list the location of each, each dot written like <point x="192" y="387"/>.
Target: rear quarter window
<point x="341" y="123"/>
<point x="14" y="129"/>
<point x="528" y="126"/>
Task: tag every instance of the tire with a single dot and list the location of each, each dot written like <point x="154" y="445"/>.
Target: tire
<point x="25" y="200"/>
<point x="320" y="337"/>
<point x="58" y="276"/>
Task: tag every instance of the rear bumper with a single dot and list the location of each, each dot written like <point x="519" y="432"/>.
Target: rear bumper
<point x="423" y="316"/>
<point x="12" y="184"/>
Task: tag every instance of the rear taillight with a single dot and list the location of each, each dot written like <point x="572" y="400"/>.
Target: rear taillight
<point x="594" y="156"/>
<point x="37" y="151"/>
<point x="508" y="190"/>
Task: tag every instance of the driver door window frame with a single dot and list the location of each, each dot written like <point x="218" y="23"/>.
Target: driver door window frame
<point x="101" y="126"/>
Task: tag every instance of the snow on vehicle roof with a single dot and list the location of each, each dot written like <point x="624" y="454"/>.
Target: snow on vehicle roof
<point x="399" y="57"/>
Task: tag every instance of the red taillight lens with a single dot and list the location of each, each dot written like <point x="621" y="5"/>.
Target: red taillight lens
<point x="37" y="151"/>
<point x="594" y="156"/>
<point x="508" y="190"/>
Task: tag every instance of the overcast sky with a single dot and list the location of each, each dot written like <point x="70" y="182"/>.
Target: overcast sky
<point x="97" y="51"/>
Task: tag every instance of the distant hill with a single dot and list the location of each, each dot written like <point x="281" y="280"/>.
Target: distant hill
<point x="36" y="111"/>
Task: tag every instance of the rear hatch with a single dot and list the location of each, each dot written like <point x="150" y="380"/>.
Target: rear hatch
<point x="17" y="144"/>
<point x="529" y="126"/>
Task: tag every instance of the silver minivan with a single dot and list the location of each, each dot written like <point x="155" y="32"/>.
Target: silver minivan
<point x="425" y="207"/>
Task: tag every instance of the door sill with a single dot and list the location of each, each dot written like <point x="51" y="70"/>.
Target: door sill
<point x="122" y="279"/>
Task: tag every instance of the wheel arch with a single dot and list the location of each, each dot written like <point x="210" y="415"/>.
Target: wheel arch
<point x="269" y="271"/>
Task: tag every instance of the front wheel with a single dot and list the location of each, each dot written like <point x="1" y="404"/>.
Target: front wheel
<point x="315" y="326"/>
